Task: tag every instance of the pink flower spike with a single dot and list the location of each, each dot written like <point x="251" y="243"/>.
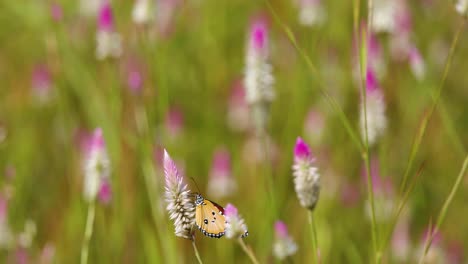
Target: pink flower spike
<point x="281" y="230"/>
<point x="371" y="81"/>
<point x="221" y="163"/>
<point x="56" y="12"/>
<point x="106" y="19"/>
<point x="259" y="35"/>
<point x="230" y="210"/>
<point x="170" y="170"/>
<point x="3" y="208"/>
<point x="41" y="78"/>
<point x="301" y="150"/>
<point x="105" y="192"/>
<point x="97" y="141"/>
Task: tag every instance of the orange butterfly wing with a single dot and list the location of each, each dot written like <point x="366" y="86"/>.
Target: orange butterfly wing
<point x="210" y="219"/>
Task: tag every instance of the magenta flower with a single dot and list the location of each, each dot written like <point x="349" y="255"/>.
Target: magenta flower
<point x="96" y="165"/>
<point x="109" y="43"/>
<point x="258" y="80"/>
<point x="221" y="183"/>
<point x="105" y="192"/>
<point x="284" y="246"/>
<point x="235" y="225"/>
<point x="306" y="176"/>
<point x="375" y="110"/>
<point x="180" y="206"/>
<point x="106" y="18"/>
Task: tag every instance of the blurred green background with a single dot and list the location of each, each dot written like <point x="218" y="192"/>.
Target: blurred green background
<point x="192" y="68"/>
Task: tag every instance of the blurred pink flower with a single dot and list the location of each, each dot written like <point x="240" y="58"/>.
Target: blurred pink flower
<point x="384" y="197"/>
<point x="401" y="241"/>
<point x="375" y="110"/>
<point x="109" y="42"/>
<point x="400" y="41"/>
<point x="238" y="116"/>
<point x="258" y="79"/>
<point x="350" y="195"/>
<point x="314" y="126"/>
<point x="221" y="183"/>
<point x="375" y="54"/>
<point x="105" y="192"/>
<point x="41" y="83"/>
<point x="235" y="225"/>
<point x="283" y="246"/>
<point x="165" y="11"/>
<point x="21" y="256"/>
<point x="134" y="75"/>
<point x="96" y="164"/>
<point x="174" y="122"/>
<point x="417" y="64"/>
<point x="56" y="11"/>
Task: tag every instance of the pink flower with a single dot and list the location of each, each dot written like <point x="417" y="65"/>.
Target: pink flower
<point x="105" y="192"/>
<point x="174" y="122"/>
<point x="235" y="225"/>
<point x="238" y="118"/>
<point x="134" y="76"/>
<point x="284" y="245"/>
<point x="302" y="151"/>
<point x="314" y="125"/>
<point x="41" y="82"/>
<point x="106" y="18"/>
<point x="417" y="63"/>
<point x="109" y="42"/>
<point x="56" y="11"/>
<point x="180" y="206"/>
<point x="259" y="79"/>
<point x="221" y="183"/>
<point x="305" y="175"/>
<point x="375" y="110"/>
<point x="165" y="11"/>
<point x="96" y="164"/>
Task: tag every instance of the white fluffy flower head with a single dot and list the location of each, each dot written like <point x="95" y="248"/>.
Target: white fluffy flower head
<point x="180" y="206"/>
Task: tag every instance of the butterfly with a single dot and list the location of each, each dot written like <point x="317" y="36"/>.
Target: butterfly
<point x="209" y="217"/>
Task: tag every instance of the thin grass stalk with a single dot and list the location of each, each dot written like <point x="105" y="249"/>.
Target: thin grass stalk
<point x="197" y="254"/>
<point x="329" y="99"/>
<point x="248" y="251"/>
<point x="417" y="141"/>
<point x="268" y="171"/>
<point x="88" y="232"/>
<point x="365" y="155"/>
<point x="314" y="237"/>
<point x="443" y="212"/>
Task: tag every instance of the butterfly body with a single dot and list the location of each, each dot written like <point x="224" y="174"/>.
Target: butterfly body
<point x="209" y="217"/>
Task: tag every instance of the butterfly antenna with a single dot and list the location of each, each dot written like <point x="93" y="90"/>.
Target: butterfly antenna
<point x="195" y="184"/>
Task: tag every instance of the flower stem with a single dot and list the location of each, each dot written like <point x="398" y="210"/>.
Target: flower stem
<point x="314" y="237"/>
<point x="248" y="251"/>
<point x="196" y="251"/>
<point x="88" y="232"/>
